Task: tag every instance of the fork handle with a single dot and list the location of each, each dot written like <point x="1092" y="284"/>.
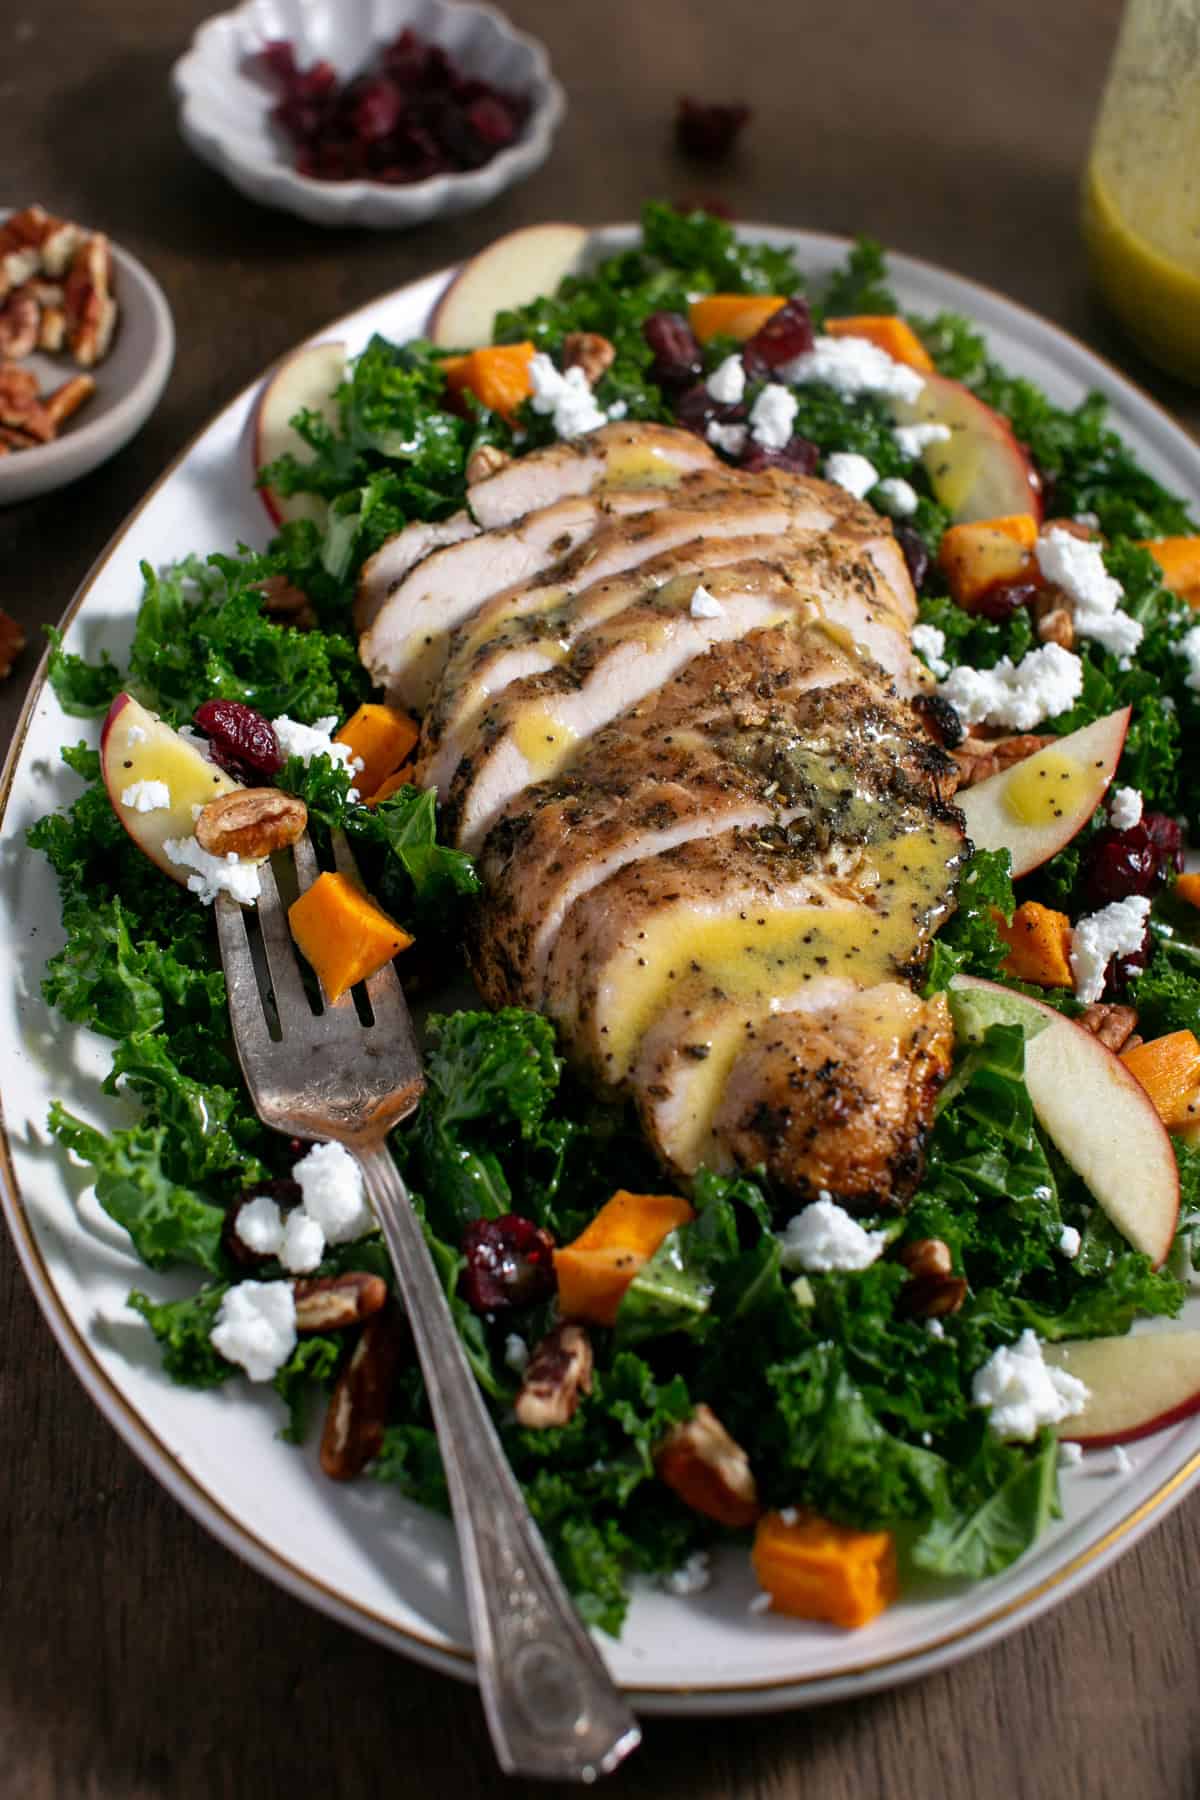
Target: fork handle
<point x="551" y="1705"/>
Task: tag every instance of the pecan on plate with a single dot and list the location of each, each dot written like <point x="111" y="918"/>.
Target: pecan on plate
<point x="12" y="642"/>
<point x="977" y="758"/>
<point x="933" y="1289"/>
<point x="557" y="1373"/>
<point x="1113" y="1025"/>
<point x="358" y="1407"/>
<point x="332" y="1302"/>
<point x="1056" y="626"/>
<point x="251" y="822"/>
<point x="282" y="599"/>
<point x="588" y="351"/>
<point x="708" y="1470"/>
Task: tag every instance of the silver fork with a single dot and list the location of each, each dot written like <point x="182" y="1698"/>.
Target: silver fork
<point x="551" y="1706"/>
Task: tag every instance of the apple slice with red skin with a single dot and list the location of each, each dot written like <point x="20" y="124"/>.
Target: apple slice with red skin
<point x="1089" y="1105"/>
<point x="511" y="271"/>
<point x="307" y="380"/>
<point x="1135" y="1385"/>
<point x="980" y="471"/>
<point x="1016" y="811"/>
<point x="136" y="746"/>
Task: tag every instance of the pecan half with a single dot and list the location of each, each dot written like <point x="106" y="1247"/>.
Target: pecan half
<point x="20" y="316"/>
<point x="251" y="822"/>
<point x="1113" y="1025"/>
<point x="487" y="460"/>
<point x="588" y="351"/>
<point x="358" y="1407"/>
<point x="282" y="599"/>
<point x="331" y="1302"/>
<point x="68" y="398"/>
<point x="557" y="1373"/>
<point x="708" y="1470"/>
<point x="89" y="305"/>
<point x="12" y="642"/>
<point x="933" y="1289"/>
<point x="977" y="758"/>
<point x="52" y="329"/>
<point x="1057" y="627"/>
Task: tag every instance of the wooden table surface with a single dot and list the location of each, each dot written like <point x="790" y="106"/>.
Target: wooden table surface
<point x="138" y="1659"/>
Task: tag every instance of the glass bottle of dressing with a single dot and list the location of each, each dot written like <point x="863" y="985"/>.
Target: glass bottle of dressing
<point x="1141" y="203"/>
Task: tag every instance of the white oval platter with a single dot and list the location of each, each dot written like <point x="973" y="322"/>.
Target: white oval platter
<point x="362" y="1554"/>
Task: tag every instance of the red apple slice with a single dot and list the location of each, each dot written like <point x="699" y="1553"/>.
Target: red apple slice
<point x="1136" y="1385"/>
<point x="1100" y="1118"/>
<point x="510" y="272"/>
<point x="136" y="747"/>
<point x="307" y="380"/>
<point x="980" y="471"/>
<point x="1037" y="806"/>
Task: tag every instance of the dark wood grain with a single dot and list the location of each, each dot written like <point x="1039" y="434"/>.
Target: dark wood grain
<point x="138" y="1659"/>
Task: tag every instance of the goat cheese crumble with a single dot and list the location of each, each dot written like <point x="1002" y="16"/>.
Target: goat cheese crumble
<point x="729" y="438"/>
<point x="303" y="1243"/>
<point x="564" y="393"/>
<point x="846" y="469"/>
<point x="146" y="796"/>
<point x="1124" y="808"/>
<point x="516" y="1353"/>
<point x="259" y="1224"/>
<point x="1121" y="1465"/>
<point x="332" y="1185"/>
<point x="1022" y="1393"/>
<point x="1116" y="930"/>
<point x="825" y="1237"/>
<point x="912" y="440"/>
<point x="691" y="1577"/>
<point x="1045" y="682"/>
<point x="772" y="417"/>
<point x="852" y="366"/>
<point x="307" y="741"/>
<point x="929" y="642"/>
<point x="137" y="734"/>
<point x="704" y="605"/>
<point x="727" y="383"/>
<point x="1069" y="1241"/>
<point x="214" y="874"/>
<point x="1070" y="1455"/>
<point x="256" y="1327"/>
<point x="1076" y="565"/>
<point x="1189" y="648"/>
<point x="897" y="496"/>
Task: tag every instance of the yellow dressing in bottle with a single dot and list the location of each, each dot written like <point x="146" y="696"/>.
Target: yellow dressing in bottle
<point x="1044" y="786"/>
<point x="1141" y="201"/>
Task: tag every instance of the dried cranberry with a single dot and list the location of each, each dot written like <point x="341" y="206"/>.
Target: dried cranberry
<point x="787" y="333"/>
<point x="376" y="108"/>
<point x="1125" y="969"/>
<point x="284" y="1191"/>
<point x="241" y="741"/>
<point x="696" y="409"/>
<point x="677" y="358"/>
<point x="510" y="1263"/>
<point x="1003" y="599"/>
<point x="797" y="457"/>
<point x="1166" y="834"/>
<point x="491" y="121"/>
<point x="1119" y="865"/>
<point x="708" y="131"/>
<point x="916" y="554"/>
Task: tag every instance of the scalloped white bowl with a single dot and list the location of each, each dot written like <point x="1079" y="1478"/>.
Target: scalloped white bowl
<point x="225" y="105"/>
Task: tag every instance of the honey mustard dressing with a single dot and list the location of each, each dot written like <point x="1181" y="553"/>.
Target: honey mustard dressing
<point x="543" y="740"/>
<point x="1045" y="786"/>
<point x="901" y="893"/>
<point x="640" y="465"/>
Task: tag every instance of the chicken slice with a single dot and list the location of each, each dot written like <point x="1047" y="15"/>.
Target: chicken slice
<point x="529" y="630"/>
<point x="831" y="1089"/>
<point x="382" y="573"/>
<point x="839" y="1101"/>
<point x="538" y="723"/>
<point x="743" y="918"/>
<point x="624" y="455"/>
<point x="744" y="738"/>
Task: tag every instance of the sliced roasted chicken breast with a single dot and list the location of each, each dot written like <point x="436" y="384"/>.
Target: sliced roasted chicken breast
<point x="382" y="573"/>
<point x="622" y="455"/>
